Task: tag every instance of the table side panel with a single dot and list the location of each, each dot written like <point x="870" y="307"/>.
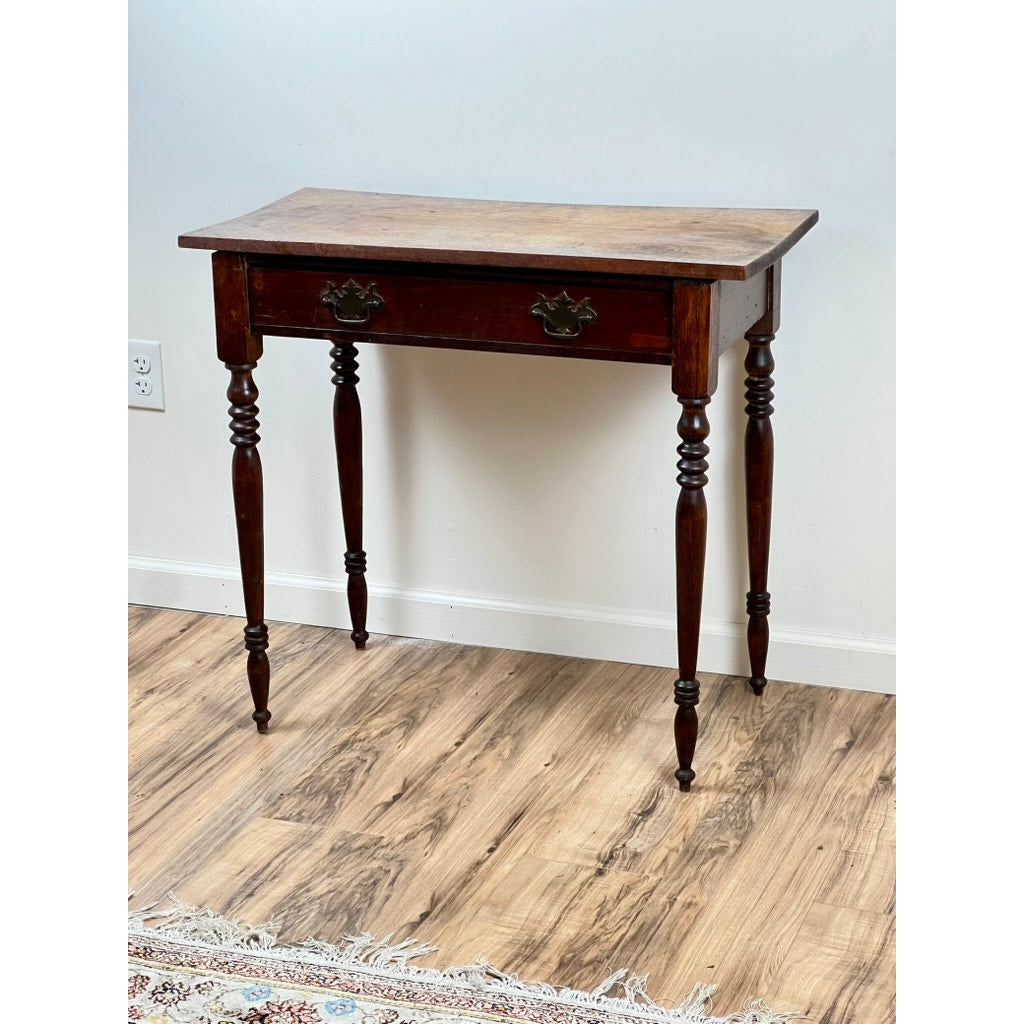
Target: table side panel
<point x="741" y="305"/>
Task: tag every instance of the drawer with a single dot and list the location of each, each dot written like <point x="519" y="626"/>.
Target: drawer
<point x="548" y="313"/>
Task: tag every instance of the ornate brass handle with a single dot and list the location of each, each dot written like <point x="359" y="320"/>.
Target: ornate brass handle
<point x="351" y="304"/>
<point x="561" y="317"/>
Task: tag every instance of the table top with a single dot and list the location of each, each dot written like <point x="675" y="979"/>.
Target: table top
<point x="729" y="244"/>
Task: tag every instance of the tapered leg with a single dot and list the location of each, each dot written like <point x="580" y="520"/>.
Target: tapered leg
<point x="759" y="451"/>
<point x="348" y="444"/>
<point x="691" y="542"/>
<point x="247" y="487"/>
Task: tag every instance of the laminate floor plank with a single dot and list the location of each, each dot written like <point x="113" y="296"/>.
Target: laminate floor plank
<point x="546" y="911"/>
<point x="795" y="849"/>
<point x="207" y="768"/>
<point x="520" y="807"/>
<point x="852" y="947"/>
<point x="865" y="877"/>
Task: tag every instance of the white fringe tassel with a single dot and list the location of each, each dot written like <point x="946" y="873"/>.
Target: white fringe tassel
<point x="181" y="923"/>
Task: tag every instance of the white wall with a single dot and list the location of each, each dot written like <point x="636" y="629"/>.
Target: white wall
<point x="515" y="500"/>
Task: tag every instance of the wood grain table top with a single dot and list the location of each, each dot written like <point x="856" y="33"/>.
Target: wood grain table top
<point x="729" y="244"/>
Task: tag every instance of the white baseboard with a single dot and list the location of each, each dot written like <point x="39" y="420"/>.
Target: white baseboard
<point x="830" y="660"/>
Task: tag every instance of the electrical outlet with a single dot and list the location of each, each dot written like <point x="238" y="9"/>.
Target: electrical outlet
<point x="145" y="375"/>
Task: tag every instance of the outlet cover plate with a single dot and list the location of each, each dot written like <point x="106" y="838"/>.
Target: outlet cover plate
<point x="155" y="375"/>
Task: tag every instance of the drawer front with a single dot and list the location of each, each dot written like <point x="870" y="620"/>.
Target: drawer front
<point x="537" y="313"/>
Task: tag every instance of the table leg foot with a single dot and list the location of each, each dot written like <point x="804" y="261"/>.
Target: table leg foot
<point x="758" y="607"/>
<point x="258" y="669"/>
<point x="687" y="696"/>
<point x="355" y="566"/>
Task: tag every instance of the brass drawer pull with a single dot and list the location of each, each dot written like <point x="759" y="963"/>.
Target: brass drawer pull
<point x="351" y="304"/>
<point x="561" y="317"/>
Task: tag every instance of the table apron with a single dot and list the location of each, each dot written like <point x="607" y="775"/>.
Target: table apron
<point x="614" y="322"/>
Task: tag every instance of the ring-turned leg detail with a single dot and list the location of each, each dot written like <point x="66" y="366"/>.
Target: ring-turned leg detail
<point x="348" y="445"/>
<point x="691" y="543"/>
<point x="759" y="457"/>
<point x="247" y="489"/>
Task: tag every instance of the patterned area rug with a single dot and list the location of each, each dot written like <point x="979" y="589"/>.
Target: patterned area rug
<point x="189" y="966"/>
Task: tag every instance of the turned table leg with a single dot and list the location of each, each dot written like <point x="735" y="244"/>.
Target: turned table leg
<point x="348" y="445"/>
<point x="247" y="488"/>
<point x="691" y="542"/>
<point x="759" y="454"/>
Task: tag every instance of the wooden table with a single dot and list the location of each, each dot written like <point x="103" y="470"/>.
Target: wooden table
<point x="663" y="285"/>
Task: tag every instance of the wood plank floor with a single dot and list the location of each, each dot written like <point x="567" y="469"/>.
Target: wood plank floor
<point x="521" y="807"/>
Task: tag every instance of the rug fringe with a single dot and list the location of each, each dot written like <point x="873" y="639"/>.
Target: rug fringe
<point x="176" y="921"/>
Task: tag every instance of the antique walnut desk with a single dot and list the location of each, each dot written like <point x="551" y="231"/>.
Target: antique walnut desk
<point x="633" y="284"/>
